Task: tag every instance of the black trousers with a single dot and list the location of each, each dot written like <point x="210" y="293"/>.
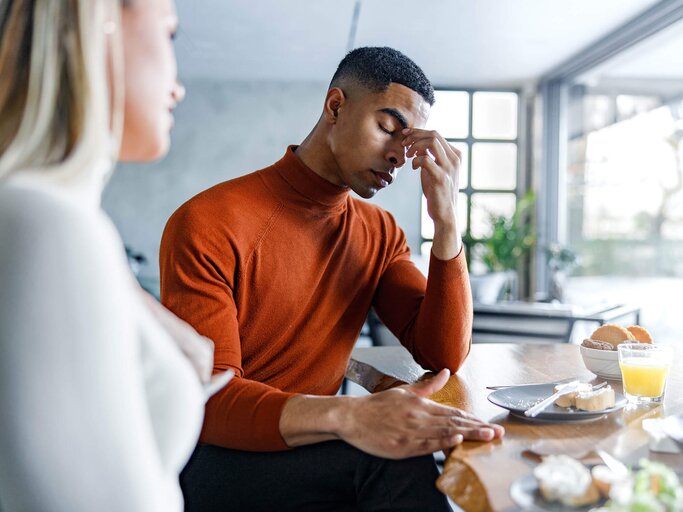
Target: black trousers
<point x="332" y="476"/>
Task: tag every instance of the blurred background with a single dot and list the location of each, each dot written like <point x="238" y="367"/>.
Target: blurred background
<point x="569" y="116"/>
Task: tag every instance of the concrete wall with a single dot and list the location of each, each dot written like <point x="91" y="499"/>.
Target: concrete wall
<point x="224" y="130"/>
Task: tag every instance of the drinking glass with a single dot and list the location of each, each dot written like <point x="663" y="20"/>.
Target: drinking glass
<point x="644" y="369"/>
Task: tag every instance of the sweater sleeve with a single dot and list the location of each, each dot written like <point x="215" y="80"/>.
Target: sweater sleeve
<point x="198" y="266"/>
<point x="75" y="427"/>
<point x="431" y="317"/>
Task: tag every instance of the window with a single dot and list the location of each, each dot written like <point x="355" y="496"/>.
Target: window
<point x="483" y="126"/>
<point x="625" y="188"/>
<point x="613" y="167"/>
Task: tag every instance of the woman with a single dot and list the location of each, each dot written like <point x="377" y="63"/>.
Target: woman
<point x="101" y="400"/>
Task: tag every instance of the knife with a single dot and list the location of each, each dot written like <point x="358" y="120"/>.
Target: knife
<point x="570" y="387"/>
<point x="554" y="383"/>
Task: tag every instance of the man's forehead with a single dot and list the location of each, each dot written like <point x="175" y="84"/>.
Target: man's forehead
<point x="408" y="104"/>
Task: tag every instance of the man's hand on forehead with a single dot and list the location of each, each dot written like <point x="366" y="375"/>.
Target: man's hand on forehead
<point x="419" y="142"/>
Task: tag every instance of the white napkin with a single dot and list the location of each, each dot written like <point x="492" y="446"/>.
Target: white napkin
<point x="666" y="435"/>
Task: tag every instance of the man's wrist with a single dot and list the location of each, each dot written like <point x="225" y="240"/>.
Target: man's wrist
<point x="447" y="243"/>
<point x="336" y="418"/>
<point x="447" y="227"/>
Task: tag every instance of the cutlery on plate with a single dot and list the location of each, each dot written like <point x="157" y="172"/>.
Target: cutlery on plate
<point x="616" y="466"/>
<point x="570" y="387"/>
<point x="590" y="457"/>
<point x="554" y="383"/>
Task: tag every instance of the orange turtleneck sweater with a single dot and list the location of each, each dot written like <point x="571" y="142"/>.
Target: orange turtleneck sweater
<point x="280" y="268"/>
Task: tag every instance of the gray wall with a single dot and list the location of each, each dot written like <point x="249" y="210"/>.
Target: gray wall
<point x="224" y="130"/>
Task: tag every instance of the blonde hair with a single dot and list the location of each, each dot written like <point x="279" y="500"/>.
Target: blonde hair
<point x="58" y="115"/>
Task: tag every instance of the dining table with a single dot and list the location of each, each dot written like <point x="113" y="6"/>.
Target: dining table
<point x="478" y="476"/>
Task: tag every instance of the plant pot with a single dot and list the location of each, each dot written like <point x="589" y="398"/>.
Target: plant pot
<point x="493" y="287"/>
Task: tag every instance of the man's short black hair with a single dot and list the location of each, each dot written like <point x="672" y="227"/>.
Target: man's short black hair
<point x="377" y="67"/>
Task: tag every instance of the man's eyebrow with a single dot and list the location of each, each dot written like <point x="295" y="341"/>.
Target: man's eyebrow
<point x="395" y="113"/>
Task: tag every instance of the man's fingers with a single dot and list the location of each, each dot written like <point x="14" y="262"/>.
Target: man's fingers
<point x="431" y="145"/>
<point x="456" y="420"/>
<point x="434" y="140"/>
<point x="438" y="415"/>
<point x="470" y="433"/>
<point x="422" y="446"/>
<point x="427" y="387"/>
<point x="436" y="174"/>
<point x="454" y="155"/>
<point x="426" y="163"/>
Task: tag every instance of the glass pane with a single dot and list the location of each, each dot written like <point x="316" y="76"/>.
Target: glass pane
<point x="486" y="205"/>
<point x="462" y="213"/>
<point x="630" y="106"/>
<point x="494" y="166"/>
<point x="428" y="225"/>
<point x="598" y="112"/>
<point x="495" y="115"/>
<point x="450" y="115"/>
<point x="464" y="158"/>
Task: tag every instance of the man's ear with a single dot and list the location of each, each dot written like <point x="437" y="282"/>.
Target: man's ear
<point x="334" y="101"/>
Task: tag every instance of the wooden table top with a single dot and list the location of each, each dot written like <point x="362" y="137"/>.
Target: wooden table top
<point x="479" y="475"/>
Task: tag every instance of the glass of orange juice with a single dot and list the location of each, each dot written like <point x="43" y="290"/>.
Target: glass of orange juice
<point x="644" y="369"/>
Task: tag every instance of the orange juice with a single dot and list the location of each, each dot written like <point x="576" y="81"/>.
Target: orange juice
<point x="643" y="377"/>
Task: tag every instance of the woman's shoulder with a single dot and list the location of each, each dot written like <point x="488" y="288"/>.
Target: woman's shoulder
<point x="36" y="219"/>
<point x="36" y="210"/>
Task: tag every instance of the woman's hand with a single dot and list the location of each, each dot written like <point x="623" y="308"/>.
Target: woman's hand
<point x="197" y="348"/>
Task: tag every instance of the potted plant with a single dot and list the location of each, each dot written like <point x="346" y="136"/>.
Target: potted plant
<point x="561" y="261"/>
<point x="502" y="253"/>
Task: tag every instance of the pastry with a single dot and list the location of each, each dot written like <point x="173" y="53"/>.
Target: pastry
<point x="641" y="334"/>
<point x="612" y="333"/>
<point x="598" y="345"/>
<point x="597" y="400"/>
<point x="565" y="480"/>
<point x="569" y="400"/>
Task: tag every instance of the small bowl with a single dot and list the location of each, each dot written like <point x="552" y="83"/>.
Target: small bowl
<point x="603" y="363"/>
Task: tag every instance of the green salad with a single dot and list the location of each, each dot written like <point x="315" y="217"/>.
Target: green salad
<point x="652" y="487"/>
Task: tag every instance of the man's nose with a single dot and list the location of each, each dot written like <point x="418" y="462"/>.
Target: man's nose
<point x="397" y="156"/>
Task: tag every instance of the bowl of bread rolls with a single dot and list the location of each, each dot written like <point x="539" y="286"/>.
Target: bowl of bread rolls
<point x="599" y="351"/>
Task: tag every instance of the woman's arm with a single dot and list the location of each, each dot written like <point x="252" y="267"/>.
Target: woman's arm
<point x="75" y="432"/>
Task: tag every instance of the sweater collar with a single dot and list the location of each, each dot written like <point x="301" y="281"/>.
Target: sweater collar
<point x="308" y="183"/>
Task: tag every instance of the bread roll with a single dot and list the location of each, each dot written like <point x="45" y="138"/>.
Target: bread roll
<point x="565" y="480"/>
<point x="569" y="400"/>
<point x="598" y="345"/>
<point x="641" y="334"/>
<point x="613" y="334"/>
<point x="598" y="400"/>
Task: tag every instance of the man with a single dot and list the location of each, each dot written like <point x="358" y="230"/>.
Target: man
<point x="280" y="268"/>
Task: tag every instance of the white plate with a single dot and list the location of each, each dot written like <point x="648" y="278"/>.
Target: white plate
<point x="518" y="399"/>
<point x="524" y="492"/>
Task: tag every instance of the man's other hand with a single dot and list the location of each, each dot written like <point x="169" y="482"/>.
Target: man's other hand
<point x="402" y="422"/>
